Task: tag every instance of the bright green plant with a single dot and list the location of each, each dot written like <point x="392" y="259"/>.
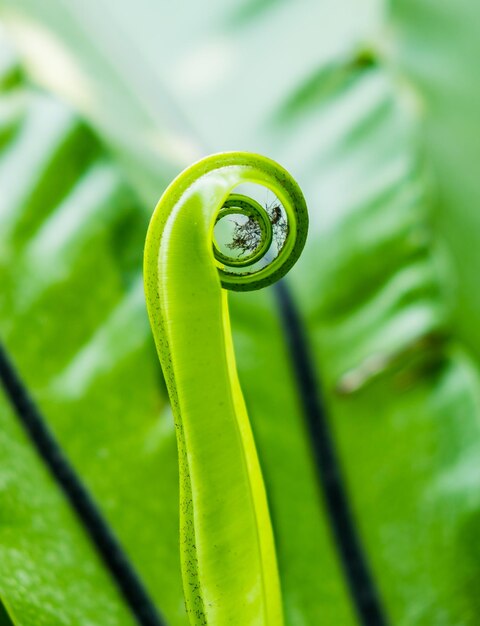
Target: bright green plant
<point x="373" y="106"/>
<point x="228" y="556"/>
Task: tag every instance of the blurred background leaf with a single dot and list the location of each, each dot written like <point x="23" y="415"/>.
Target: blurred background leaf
<point x="373" y="111"/>
<point x="436" y="47"/>
<point x="72" y="314"/>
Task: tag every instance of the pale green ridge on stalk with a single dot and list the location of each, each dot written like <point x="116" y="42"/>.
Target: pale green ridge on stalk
<point x="228" y="556"/>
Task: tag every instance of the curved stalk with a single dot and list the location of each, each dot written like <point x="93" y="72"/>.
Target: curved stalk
<point x="227" y="550"/>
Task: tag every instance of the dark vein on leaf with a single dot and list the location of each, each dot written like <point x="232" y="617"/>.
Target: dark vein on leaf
<point x="101" y="535"/>
<point x="353" y="558"/>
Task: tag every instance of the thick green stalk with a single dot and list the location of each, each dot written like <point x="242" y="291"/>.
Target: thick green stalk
<point x="228" y="557"/>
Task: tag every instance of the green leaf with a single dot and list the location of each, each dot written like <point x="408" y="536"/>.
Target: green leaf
<point x="372" y="288"/>
<point x="73" y="318"/>
<point x="5" y="617"/>
<point x="229" y="564"/>
<point x="436" y="48"/>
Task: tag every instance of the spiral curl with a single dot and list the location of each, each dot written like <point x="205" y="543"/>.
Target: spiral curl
<point x="291" y="198"/>
<point x="238" y="204"/>
<point x="239" y="168"/>
<point x="227" y="544"/>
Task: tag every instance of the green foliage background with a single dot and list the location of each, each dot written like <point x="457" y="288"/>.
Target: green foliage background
<point x="373" y="107"/>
